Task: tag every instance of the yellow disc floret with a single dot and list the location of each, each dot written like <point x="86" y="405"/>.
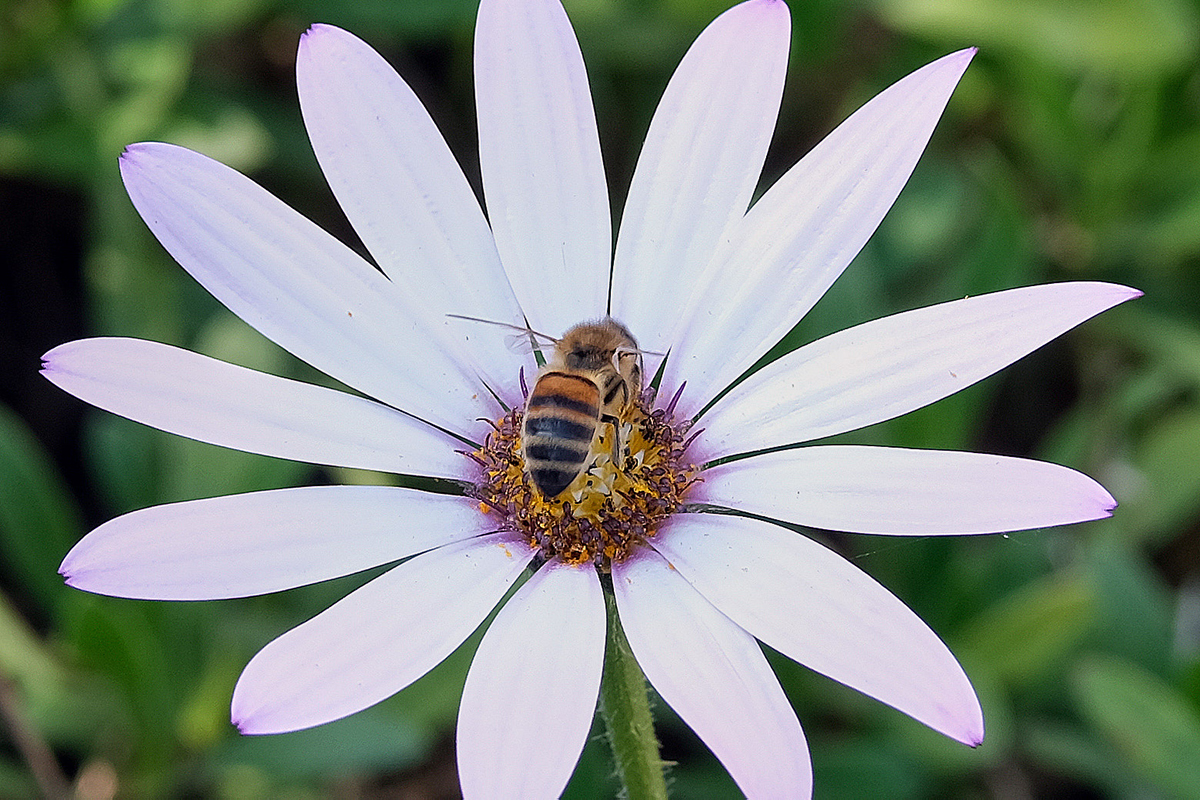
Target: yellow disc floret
<point x="611" y="507"/>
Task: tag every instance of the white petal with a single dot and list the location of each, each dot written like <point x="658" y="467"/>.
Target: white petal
<point x="403" y="192"/>
<point x="297" y="285"/>
<point x="715" y="677"/>
<point x="248" y="544"/>
<point x="212" y="401"/>
<point x="378" y="639"/>
<point x="700" y="163"/>
<point x="531" y="691"/>
<point x="539" y="154"/>
<point x="893" y="490"/>
<point x="888" y="367"/>
<point x="803" y="232"/>
<point x="817" y="608"/>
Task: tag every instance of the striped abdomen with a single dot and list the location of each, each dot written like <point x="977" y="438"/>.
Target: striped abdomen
<point x="561" y="419"/>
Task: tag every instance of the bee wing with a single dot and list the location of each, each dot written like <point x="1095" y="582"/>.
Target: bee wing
<point x="526" y="341"/>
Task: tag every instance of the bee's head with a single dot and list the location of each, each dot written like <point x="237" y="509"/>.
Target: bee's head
<point x="596" y="345"/>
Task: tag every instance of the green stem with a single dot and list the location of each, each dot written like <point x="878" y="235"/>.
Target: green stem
<point x="625" y="707"/>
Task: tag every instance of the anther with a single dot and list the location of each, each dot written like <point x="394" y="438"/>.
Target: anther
<point x="612" y="507"/>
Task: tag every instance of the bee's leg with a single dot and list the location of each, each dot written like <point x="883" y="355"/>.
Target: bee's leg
<point x="616" y="438"/>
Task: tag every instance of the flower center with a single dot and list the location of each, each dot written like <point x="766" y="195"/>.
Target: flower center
<point x="611" y="506"/>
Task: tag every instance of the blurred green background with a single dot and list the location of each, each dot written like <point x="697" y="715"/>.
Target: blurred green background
<point x="1071" y="150"/>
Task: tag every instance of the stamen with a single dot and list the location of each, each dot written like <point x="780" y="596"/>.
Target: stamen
<point x="473" y="457"/>
<point x="675" y="399"/>
<point x="610" y="508"/>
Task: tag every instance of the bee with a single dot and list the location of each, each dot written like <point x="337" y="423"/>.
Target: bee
<point x="593" y="375"/>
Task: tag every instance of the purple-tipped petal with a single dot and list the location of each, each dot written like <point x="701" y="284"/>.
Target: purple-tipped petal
<point x="888" y="367"/>
<point x="300" y="287"/>
<point x="378" y="639"/>
<point x="802" y="233"/>
<point x="700" y="162"/>
<point x="531" y="691"/>
<point x="212" y="401"/>
<point x="892" y="490"/>
<point x="539" y="154"/>
<point x="715" y="677"/>
<point x="813" y="606"/>
<point x="249" y="544"/>
<point x="404" y="193"/>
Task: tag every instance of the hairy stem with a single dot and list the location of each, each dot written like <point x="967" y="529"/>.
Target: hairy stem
<point x="625" y="707"/>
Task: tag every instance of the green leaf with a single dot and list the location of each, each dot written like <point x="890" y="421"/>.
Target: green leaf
<point x="1145" y="719"/>
<point x="1148" y="37"/>
<point x="365" y="16"/>
<point x="373" y="740"/>
<point x="1135" y="611"/>
<point x="1166" y="459"/>
<point x="38" y="518"/>
<point x="66" y="707"/>
<point x="1070" y="751"/>
<point x="118" y="639"/>
<point x="865" y="768"/>
<point x="1029" y="631"/>
<point x="25" y="660"/>
<point x="121" y="456"/>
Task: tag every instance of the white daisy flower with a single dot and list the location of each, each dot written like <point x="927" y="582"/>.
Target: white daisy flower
<point x="697" y="274"/>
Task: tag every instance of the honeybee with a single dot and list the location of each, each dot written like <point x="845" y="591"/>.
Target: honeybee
<point x="594" y="373"/>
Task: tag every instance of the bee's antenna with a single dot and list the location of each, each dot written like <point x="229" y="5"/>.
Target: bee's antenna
<point x="481" y="319"/>
<point x="510" y="326"/>
<point x="525" y="340"/>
